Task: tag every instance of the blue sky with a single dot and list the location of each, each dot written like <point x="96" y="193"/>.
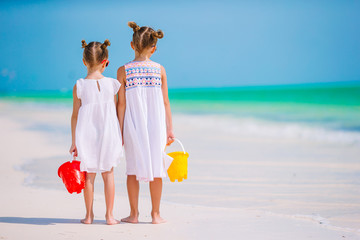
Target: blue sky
<point x="206" y="43"/>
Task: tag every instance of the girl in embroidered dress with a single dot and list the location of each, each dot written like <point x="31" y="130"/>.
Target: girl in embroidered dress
<point x="96" y="135"/>
<point x="145" y="119"/>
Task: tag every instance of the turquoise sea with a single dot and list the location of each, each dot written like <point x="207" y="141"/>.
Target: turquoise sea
<point x="325" y="112"/>
<point x="326" y="105"/>
<point x="330" y="105"/>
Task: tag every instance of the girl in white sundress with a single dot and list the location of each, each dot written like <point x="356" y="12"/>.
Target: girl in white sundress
<point x="145" y="119"/>
<point x="96" y="135"/>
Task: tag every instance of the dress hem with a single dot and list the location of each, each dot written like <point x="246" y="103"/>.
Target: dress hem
<point x="100" y="170"/>
<point x="145" y="179"/>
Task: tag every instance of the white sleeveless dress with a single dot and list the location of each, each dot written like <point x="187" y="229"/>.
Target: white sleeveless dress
<point x="98" y="135"/>
<point x="144" y="123"/>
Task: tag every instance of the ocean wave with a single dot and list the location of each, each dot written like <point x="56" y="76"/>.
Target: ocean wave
<point x="252" y="127"/>
<point x="316" y="218"/>
<point x="325" y="222"/>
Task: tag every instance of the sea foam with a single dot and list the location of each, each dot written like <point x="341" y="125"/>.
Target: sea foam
<point x="252" y="127"/>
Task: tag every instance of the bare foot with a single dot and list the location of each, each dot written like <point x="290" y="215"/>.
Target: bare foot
<point x="110" y="220"/>
<point x="131" y="219"/>
<point x="156" y="219"/>
<point x="88" y="219"/>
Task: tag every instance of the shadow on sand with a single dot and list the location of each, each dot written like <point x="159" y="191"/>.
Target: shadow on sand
<point x="41" y="221"/>
<point x="50" y="221"/>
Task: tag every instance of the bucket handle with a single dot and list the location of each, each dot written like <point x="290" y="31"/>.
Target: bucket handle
<point x="182" y="146"/>
<point x="73" y="157"/>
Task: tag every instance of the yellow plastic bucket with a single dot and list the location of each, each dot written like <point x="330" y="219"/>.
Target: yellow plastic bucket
<point x="178" y="168"/>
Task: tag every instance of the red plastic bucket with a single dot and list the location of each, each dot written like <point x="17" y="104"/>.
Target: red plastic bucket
<point x="72" y="177"/>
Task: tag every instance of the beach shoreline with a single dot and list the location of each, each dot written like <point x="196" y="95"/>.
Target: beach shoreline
<point x="195" y="208"/>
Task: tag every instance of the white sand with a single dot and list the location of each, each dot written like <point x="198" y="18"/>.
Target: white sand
<point x="238" y="187"/>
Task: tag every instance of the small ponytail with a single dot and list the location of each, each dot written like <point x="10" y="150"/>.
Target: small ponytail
<point x="134" y="26"/>
<point x="83" y="44"/>
<point x="158" y="34"/>
<point x="144" y="37"/>
<point x="105" y="44"/>
<point x="95" y="52"/>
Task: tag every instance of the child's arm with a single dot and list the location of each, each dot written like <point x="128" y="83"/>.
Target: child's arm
<point x="74" y="116"/>
<point x="169" y="128"/>
<point x="121" y="104"/>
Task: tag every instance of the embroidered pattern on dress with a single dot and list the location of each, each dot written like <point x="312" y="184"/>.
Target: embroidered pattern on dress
<point x="142" y="74"/>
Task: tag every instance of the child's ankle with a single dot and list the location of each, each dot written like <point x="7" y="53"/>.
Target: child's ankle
<point x="134" y="213"/>
<point x="155" y="213"/>
<point x="109" y="214"/>
<point x="91" y="214"/>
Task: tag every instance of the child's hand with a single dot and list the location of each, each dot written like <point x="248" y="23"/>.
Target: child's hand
<point x="73" y="150"/>
<point x="170" y="138"/>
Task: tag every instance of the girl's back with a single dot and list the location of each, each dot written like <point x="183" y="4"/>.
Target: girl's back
<point x="97" y="91"/>
<point x="143" y="84"/>
<point x="97" y="131"/>
<point x="144" y="123"/>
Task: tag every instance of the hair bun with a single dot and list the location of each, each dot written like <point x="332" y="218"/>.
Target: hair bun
<point x="83" y="44"/>
<point x="105" y="44"/>
<point x="134" y="26"/>
<point x="158" y="34"/>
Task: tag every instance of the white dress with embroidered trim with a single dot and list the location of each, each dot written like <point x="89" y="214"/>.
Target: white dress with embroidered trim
<point x="98" y="135"/>
<point x="144" y="123"/>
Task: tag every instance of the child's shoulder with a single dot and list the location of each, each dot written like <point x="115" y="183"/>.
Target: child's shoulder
<point x="109" y="78"/>
<point x="157" y="64"/>
<point x="79" y="81"/>
<point x="112" y="81"/>
<point x="141" y="64"/>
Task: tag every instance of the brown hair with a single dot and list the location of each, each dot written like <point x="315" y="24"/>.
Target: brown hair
<point x="144" y="37"/>
<point x="95" y="52"/>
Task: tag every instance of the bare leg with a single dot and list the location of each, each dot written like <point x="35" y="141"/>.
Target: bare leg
<point x="109" y="189"/>
<point x="155" y="192"/>
<point x="89" y="198"/>
<point x="133" y="193"/>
